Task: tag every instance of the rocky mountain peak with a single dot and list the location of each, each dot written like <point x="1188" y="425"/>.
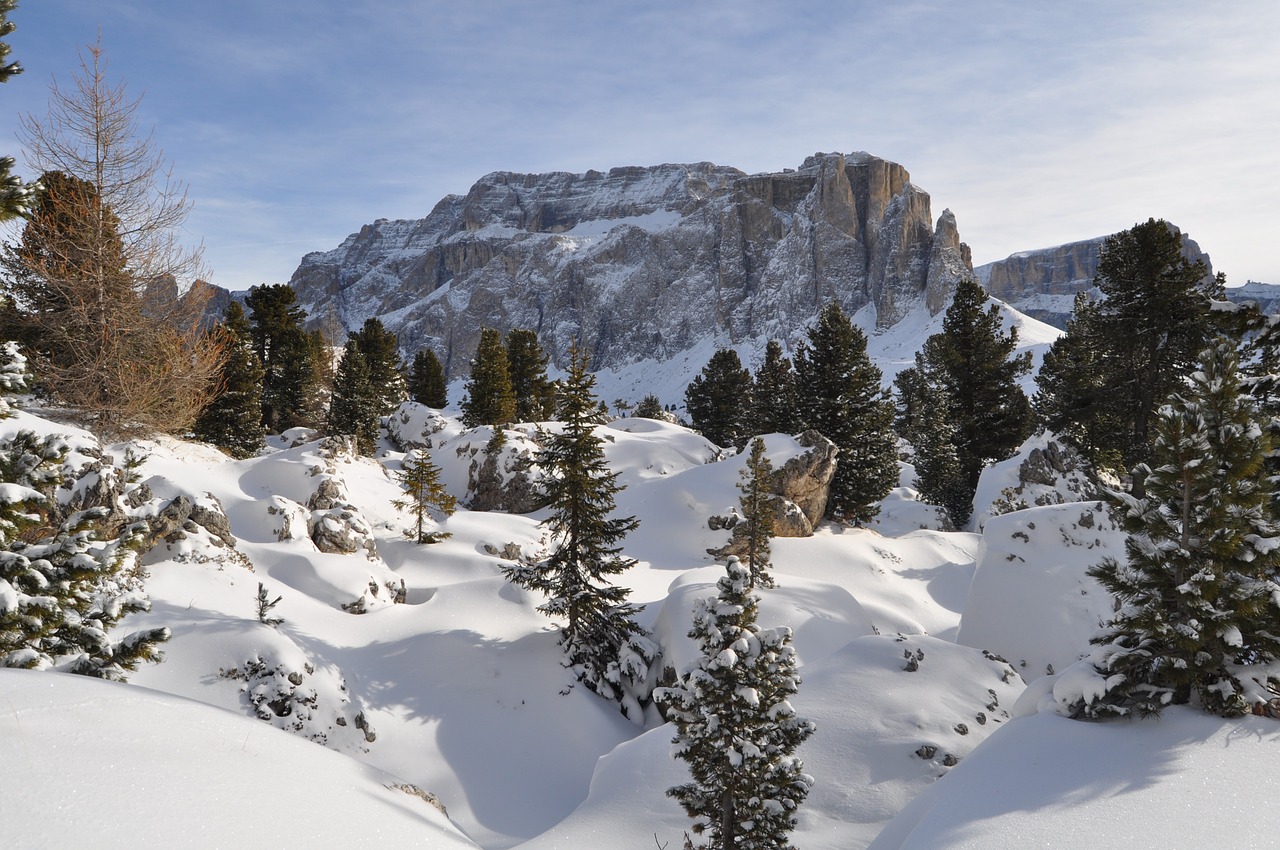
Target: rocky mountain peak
<point x="644" y="263"/>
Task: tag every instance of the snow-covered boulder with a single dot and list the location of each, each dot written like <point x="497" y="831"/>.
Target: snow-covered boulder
<point x="413" y="425"/>
<point x="1043" y="471"/>
<point x="1031" y="599"/>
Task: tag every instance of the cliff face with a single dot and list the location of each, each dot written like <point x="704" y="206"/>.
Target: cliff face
<point x="1043" y="283"/>
<point x="643" y="263"/>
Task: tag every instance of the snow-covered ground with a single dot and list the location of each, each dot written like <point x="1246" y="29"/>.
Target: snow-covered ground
<point x="914" y="645"/>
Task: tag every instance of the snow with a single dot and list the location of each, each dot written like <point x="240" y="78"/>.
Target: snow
<point x="1187" y="780"/>
<point x="128" y="767"/>
<point x="902" y="634"/>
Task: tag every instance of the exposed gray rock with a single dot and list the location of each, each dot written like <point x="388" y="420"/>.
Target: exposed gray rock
<point x="798" y="494"/>
<point x="805" y="480"/>
<point x="642" y="263"/>
<point x="184" y="515"/>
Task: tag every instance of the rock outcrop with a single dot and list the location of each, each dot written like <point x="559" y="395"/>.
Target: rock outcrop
<point x="798" y="493"/>
<point x="642" y="263"/>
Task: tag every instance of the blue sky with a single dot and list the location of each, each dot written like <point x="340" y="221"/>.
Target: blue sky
<point x="294" y="122"/>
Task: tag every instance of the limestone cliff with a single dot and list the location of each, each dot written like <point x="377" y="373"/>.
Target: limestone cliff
<point x="643" y="263"/>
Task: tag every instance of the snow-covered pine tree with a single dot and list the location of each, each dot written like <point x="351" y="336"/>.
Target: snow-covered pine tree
<point x="752" y="534"/>
<point x="16" y="197"/>
<point x="735" y="726"/>
<point x="1200" y="604"/>
<point x="490" y="399"/>
<point x="13" y="376"/>
<point x="719" y="399"/>
<point x="353" y="409"/>
<point x="233" y="418"/>
<point x="1260" y="368"/>
<point x="427" y="384"/>
<point x="603" y="645"/>
<point x="424" y="493"/>
<point x="840" y="396"/>
<point x="535" y="395"/>
<point x="774" y="393"/>
<point x="62" y="590"/>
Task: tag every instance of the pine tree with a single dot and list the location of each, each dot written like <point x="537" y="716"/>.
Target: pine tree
<point x="1072" y="398"/>
<point x="925" y="422"/>
<point x="381" y="352"/>
<point x="1145" y="335"/>
<point x="752" y="534"/>
<point x="13" y="376"/>
<point x="490" y="399"/>
<point x="973" y="360"/>
<point x="427" y="384"/>
<point x="527" y="363"/>
<point x="16" y="197"/>
<point x="775" y="408"/>
<point x="62" y="589"/>
<point x="286" y="352"/>
<point x="719" y="398"/>
<point x="1260" y="374"/>
<point x="603" y="645"/>
<point x="650" y="407"/>
<point x="735" y="726"/>
<point x="322" y="373"/>
<point x="1199" y="617"/>
<point x="233" y="418"/>
<point x="353" y="407"/>
<point x="840" y="396"/>
<point x="961" y="406"/>
<point x="425" y="494"/>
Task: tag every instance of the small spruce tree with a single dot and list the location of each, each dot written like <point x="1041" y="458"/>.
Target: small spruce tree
<point x="263" y="603"/>
<point x="603" y="645"/>
<point x="735" y="726"/>
<point x="424" y="493"/>
<point x="751" y="535"/>
<point x="650" y="407"/>
<point x="427" y="384"/>
<point x="490" y="399"/>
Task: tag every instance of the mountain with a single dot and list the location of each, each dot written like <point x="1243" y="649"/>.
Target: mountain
<point x="1043" y="283"/>
<point x="644" y="263"/>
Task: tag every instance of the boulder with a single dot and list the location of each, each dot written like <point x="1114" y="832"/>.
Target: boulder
<point x="805" y="481"/>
